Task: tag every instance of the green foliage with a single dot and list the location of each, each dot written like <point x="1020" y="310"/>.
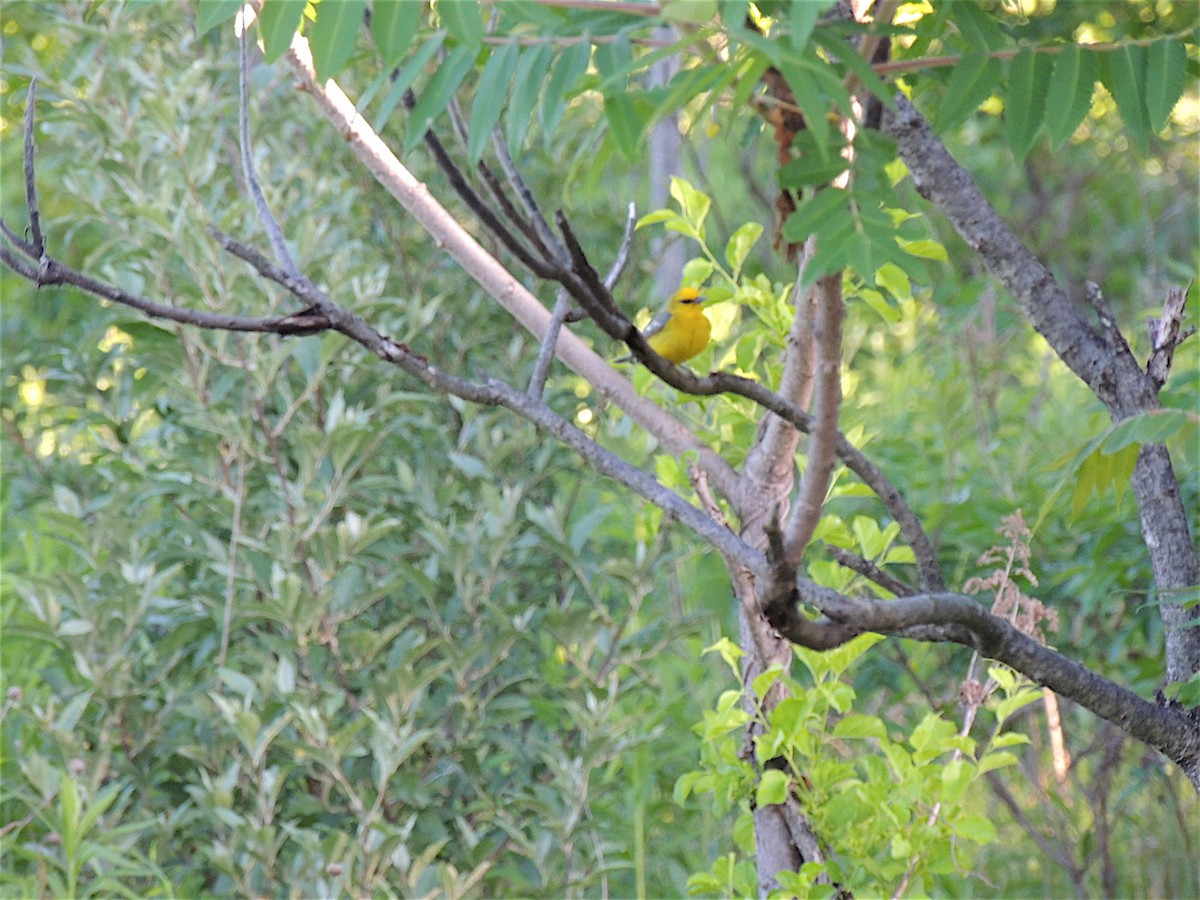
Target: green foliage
<point x="274" y="622"/>
<point x="898" y="811"/>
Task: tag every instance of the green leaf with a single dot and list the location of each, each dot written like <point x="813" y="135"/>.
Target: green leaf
<point x="772" y="788"/>
<point x="406" y="76"/>
<point x="816" y="214"/>
<point x="879" y="304"/>
<point x="809" y="169"/>
<point x="1166" y="72"/>
<point x="971" y="82"/>
<point x="394" y="25"/>
<point x="1025" y="102"/>
<point x="860" y="726"/>
<point x="974" y="828"/>
<point x="1154" y="427"/>
<point x="803" y="19"/>
<point x="566" y="74"/>
<point x="333" y="35"/>
<point x="1000" y="759"/>
<point x="490" y="96"/>
<point x="764" y="681"/>
<point x="730" y="652"/>
<point x="843" y="52"/>
<point x="693" y="203"/>
<point x="979" y="29"/>
<point x="692" y="12"/>
<point x="807" y="91"/>
<point x="1101" y="471"/>
<point x="216" y="12"/>
<point x="463" y="20"/>
<point x="527" y="85"/>
<point x="894" y="280"/>
<point x="926" y="249"/>
<point x="438" y="93"/>
<point x="1123" y="72"/>
<point x="740" y="245"/>
<point x="278" y="23"/>
<point x="956" y="778"/>
<point x="1069" y="95"/>
<point x="625" y="123"/>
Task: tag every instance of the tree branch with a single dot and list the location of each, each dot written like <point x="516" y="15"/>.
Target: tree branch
<point x="1099" y="356"/>
<point x="1169" y="730"/>
<point x="827" y="400"/>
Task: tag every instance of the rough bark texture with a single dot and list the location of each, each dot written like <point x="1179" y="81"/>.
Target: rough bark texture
<point x="1098" y="354"/>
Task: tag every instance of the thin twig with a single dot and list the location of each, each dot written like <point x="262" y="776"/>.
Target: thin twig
<point x="868" y="570"/>
<point x="235" y="537"/>
<point x="265" y="217"/>
<point x="541" y="368"/>
<point x="31" y="198"/>
<point x="540" y="226"/>
<point x="622" y="258"/>
<point x="483" y="212"/>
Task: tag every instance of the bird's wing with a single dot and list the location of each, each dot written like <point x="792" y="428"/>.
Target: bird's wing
<point x="657" y="323"/>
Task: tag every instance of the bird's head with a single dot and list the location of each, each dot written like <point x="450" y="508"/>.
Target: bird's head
<point x="687" y="296"/>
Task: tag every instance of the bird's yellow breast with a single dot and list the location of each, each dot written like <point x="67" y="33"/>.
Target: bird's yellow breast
<point x="685" y="333"/>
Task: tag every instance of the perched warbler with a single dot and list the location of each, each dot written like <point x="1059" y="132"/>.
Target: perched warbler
<point x="681" y="329"/>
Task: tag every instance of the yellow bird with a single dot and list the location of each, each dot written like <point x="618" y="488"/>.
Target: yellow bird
<point x="681" y="329"/>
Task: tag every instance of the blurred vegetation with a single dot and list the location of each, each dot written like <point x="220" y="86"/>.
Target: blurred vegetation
<point x="275" y="622"/>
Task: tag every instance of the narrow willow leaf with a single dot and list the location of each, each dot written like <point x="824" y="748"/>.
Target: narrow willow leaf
<point x="531" y="70"/>
<point x="277" y="24"/>
<point x="693" y="12"/>
<point x="393" y="26"/>
<point x="490" y="97"/>
<point x="436" y="96"/>
<point x="1123" y="72"/>
<point x="802" y="21"/>
<point x="334" y="34"/>
<point x="625" y="123"/>
<point x="1166" y="65"/>
<point x="1025" y="103"/>
<point x="1069" y="95"/>
<point x="690" y="83"/>
<point x="971" y="82"/>
<point x="812" y="102"/>
<point x="566" y="74"/>
<point x="216" y="12"/>
<point x="979" y="29"/>
<point x="462" y="19"/>
<point x="406" y="76"/>
<point x="842" y="52"/>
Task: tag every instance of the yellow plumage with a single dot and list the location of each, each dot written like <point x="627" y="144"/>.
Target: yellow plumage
<point x="681" y="329"/>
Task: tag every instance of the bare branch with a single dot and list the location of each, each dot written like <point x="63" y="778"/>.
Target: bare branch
<point x="1100" y="359"/>
<point x="265" y="217"/>
<point x="31" y="199"/>
<point x="1168" y="730"/>
<point x="539" y="267"/>
<point x="1166" y="334"/>
<point x="540" y="226"/>
<point x="827" y="400"/>
<point x="541" y="368"/>
<point x="868" y="570"/>
<point x="54" y="272"/>
<point x="622" y="258"/>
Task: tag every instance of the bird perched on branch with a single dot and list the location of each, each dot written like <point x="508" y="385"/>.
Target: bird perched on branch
<point x="681" y="329"/>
